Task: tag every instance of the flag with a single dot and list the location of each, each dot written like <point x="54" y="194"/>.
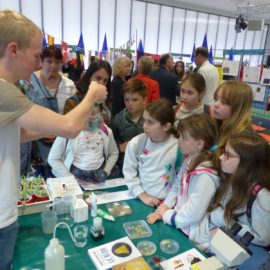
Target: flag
<point x="230" y="58"/>
<point x="104" y="49"/>
<point x="193" y="54"/>
<point x="44" y="42"/>
<point x="210" y="57"/>
<point x="64" y="51"/>
<point x="140" y="50"/>
<point x="80" y="47"/>
<point x="205" y="45"/>
<point x="50" y="40"/>
<point x="104" y="46"/>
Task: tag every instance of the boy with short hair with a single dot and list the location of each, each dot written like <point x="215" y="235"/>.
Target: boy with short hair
<point x="128" y="123"/>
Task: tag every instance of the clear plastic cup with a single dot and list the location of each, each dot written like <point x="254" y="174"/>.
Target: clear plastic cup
<point x="80" y="233"/>
<point x="62" y="207"/>
<point x="48" y="221"/>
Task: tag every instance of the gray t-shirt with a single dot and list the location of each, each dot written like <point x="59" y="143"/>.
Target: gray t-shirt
<point x="13" y="104"/>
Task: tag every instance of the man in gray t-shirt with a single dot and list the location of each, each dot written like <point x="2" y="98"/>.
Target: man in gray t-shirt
<point x="22" y="121"/>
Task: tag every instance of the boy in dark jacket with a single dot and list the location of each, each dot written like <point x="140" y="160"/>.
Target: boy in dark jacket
<point x="128" y="123"/>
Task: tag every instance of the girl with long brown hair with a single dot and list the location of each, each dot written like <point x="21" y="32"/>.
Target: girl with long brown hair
<point x="245" y="168"/>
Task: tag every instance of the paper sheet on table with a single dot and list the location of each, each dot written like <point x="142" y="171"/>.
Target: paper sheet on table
<point x="114" y="196"/>
<point x="117" y="182"/>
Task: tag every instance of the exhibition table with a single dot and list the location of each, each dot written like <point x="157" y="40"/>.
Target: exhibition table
<point x="31" y="241"/>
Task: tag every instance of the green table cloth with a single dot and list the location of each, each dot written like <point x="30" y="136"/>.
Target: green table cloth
<point x="31" y="241"/>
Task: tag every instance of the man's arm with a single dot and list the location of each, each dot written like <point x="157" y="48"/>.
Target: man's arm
<point x="29" y="135"/>
<point x="41" y="121"/>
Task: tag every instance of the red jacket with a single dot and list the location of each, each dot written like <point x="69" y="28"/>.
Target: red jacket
<point x="152" y="87"/>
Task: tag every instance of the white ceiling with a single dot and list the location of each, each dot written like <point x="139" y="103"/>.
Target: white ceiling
<point x="230" y="8"/>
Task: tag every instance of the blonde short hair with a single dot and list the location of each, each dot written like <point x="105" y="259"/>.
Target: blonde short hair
<point x="15" y="27"/>
<point x="118" y="64"/>
<point x="146" y="64"/>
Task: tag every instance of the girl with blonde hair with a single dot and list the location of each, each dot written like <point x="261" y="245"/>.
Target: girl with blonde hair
<point x="232" y="109"/>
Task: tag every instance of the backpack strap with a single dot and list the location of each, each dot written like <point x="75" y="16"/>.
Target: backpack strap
<point x="254" y="192"/>
<point x="199" y="171"/>
<point x="104" y="129"/>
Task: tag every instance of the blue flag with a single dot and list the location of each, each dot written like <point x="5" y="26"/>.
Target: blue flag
<point x="193" y="54"/>
<point x="80" y="47"/>
<point x="140" y="50"/>
<point x="210" y="57"/>
<point x="104" y="46"/>
<point x="44" y="42"/>
<point x="205" y="45"/>
<point x="140" y="47"/>
<point x="230" y="58"/>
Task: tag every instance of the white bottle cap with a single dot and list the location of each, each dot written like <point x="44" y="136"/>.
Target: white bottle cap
<point x="97" y="222"/>
<point x="54" y="242"/>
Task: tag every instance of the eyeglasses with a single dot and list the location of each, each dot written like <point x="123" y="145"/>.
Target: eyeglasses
<point x="228" y="155"/>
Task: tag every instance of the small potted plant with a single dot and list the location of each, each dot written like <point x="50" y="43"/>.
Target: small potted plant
<point x="26" y="195"/>
<point x="41" y="194"/>
<point x="32" y="189"/>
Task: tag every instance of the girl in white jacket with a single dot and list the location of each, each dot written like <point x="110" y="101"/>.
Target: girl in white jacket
<point x="89" y="156"/>
<point x="150" y="158"/>
<point x="186" y="204"/>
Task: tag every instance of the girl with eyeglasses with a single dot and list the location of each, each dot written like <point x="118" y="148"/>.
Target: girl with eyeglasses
<point x="186" y="204"/>
<point x="232" y="109"/>
<point x="245" y="168"/>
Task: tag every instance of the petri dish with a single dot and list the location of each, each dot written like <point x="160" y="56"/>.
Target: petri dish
<point x="169" y="246"/>
<point x="118" y="209"/>
<point x="147" y="248"/>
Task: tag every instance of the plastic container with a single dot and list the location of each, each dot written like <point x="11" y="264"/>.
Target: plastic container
<point x="62" y="208"/>
<point x="147" y="248"/>
<point x="93" y="205"/>
<point x="137" y="229"/>
<point x="54" y="256"/>
<point x="80" y="233"/>
<point x="97" y="230"/>
<point x="48" y="221"/>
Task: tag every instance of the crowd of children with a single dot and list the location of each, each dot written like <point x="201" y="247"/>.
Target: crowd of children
<point x="221" y="159"/>
<point x="197" y="165"/>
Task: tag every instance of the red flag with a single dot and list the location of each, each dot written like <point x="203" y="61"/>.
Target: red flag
<point x="64" y="51"/>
